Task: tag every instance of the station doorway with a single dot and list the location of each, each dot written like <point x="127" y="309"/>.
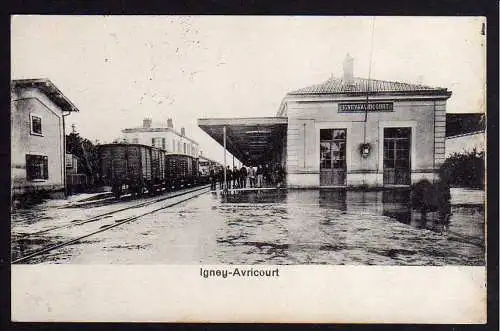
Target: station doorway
<point x="333" y="167"/>
<point x="397" y="162"/>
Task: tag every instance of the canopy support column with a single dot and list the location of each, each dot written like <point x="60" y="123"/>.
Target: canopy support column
<point x="225" y="182"/>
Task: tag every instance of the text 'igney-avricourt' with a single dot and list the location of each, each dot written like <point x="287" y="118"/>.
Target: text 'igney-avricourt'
<point x="237" y="272"/>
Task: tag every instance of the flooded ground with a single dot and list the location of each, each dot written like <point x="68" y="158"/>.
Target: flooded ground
<point x="275" y="227"/>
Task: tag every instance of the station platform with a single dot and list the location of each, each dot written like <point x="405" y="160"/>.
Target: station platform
<point x="253" y="190"/>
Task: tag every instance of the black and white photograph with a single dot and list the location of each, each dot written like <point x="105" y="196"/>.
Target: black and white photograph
<point x="240" y="146"/>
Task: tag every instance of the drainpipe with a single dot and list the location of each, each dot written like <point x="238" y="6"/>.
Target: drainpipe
<point x="64" y="152"/>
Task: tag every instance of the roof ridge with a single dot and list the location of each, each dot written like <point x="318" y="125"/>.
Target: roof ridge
<point x="397" y="82"/>
<point x="341" y="85"/>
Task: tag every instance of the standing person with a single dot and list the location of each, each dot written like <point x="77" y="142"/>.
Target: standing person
<point x="260" y="175"/>
<point x="229" y="176"/>
<point x="265" y="172"/>
<point x="221" y="178"/>
<point x="243" y="177"/>
<point x="236" y="177"/>
<point x="213" y="184"/>
<point x="251" y="176"/>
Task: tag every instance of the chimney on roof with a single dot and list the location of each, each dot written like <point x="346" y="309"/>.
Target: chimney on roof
<point x="348" y="68"/>
<point x="146" y="123"/>
<point x="170" y="124"/>
<point x="183" y="132"/>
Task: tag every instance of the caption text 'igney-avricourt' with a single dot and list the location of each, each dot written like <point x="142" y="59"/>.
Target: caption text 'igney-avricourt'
<point x="239" y="272"/>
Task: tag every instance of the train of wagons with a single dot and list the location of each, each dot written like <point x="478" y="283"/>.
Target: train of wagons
<point x="136" y="169"/>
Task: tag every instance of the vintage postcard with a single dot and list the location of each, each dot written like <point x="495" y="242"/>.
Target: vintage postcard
<point x="248" y="169"/>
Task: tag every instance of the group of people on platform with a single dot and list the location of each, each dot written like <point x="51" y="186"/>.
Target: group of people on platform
<point x="256" y="177"/>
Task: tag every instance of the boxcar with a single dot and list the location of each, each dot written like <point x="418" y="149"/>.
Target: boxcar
<point x="132" y="167"/>
<point x="181" y="170"/>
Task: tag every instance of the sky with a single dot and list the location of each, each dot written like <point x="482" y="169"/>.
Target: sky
<point x="118" y="70"/>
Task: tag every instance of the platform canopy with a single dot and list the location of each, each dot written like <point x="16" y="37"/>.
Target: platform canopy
<point x="252" y="140"/>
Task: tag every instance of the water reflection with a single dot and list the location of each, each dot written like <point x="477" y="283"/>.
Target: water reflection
<point x="393" y="203"/>
<point x="333" y="199"/>
<point x="397" y="204"/>
<point x="259" y="196"/>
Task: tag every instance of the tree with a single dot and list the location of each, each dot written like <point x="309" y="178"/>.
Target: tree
<point x="86" y="151"/>
<point x="464" y="170"/>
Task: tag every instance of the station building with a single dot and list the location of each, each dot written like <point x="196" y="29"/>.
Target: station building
<point x="38" y="111"/>
<point x="346" y="132"/>
<point x="162" y="136"/>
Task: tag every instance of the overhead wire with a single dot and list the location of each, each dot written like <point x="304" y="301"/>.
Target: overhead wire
<point x="368" y="92"/>
<point x="369" y="77"/>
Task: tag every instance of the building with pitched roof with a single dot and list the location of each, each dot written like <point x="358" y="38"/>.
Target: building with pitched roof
<point x="162" y="136"/>
<point x="353" y="131"/>
<point x="38" y="111"/>
<point x="346" y="131"/>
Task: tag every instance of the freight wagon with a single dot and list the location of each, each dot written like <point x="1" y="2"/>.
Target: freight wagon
<point x="181" y="170"/>
<point x="132" y="167"/>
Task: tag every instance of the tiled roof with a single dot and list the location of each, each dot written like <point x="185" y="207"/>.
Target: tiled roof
<point x="359" y="85"/>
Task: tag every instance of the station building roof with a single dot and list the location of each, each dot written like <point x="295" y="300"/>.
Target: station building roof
<point x="357" y="86"/>
<point x="364" y="85"/>
<point x="252" y="140"/>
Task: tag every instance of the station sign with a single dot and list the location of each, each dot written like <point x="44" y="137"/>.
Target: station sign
<point x="363" y="106"/>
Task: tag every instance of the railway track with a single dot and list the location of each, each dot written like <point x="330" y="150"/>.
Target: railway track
<point x="111" y="222"/>
<point x="103" y="215"/>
